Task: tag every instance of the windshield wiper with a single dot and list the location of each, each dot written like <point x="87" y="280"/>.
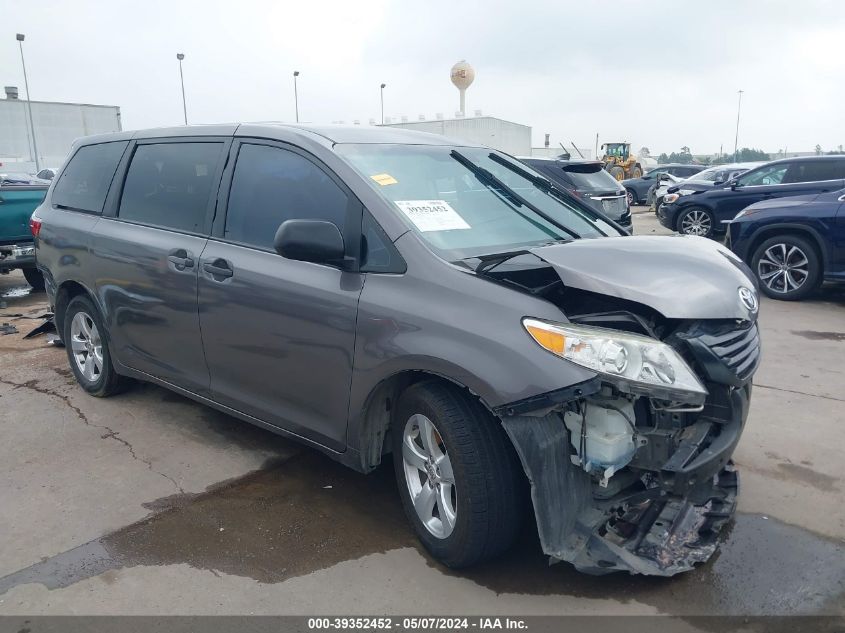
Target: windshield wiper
<point x="537" y="181"/>
<point x="492" y="182"/>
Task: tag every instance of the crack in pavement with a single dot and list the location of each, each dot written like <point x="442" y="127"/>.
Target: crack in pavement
<point x="110" y="433"/>
<point x="800" y="393"/>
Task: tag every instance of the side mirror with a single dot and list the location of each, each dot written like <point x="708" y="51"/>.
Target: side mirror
<point x="316" y="241"/>
<point x="733" y="183"/>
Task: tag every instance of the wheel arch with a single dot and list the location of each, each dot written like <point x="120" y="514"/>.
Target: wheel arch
<point x="798" y="230"/>
<point x="373" y="422"/>
<point x="66" y="291"/>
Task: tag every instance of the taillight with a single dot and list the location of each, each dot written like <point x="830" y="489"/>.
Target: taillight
<point x="35" y="226"/>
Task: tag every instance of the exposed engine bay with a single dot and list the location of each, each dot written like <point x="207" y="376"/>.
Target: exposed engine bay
<point x="625" y="478"/>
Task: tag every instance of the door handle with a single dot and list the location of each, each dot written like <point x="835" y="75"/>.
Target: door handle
<point x="219" y="268"/>
<point x="181" y="259"/>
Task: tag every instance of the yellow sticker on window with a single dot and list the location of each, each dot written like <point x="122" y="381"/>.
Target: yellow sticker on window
<point x="384" y="179"/>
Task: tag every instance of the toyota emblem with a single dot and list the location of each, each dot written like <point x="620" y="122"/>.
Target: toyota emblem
<point x="748" y="299"/>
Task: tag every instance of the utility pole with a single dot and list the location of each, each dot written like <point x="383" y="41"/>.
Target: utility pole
<point x="20" y="37"/>
<point x="180" y="57"/>
<point x="382" y="103"/>
<point x="295" y="95"/>
<point x="736" y="138"/>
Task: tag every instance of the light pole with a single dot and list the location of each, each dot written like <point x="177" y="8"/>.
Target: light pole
<point x="20" y="37"/>
<point x="736" y="138"/>
<point x="180" y="57"/>
<point x="295" y="95"/>
<point x="382" y="103"/>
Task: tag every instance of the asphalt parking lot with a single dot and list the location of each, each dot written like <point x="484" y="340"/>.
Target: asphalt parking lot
<point x="149" y="503"/>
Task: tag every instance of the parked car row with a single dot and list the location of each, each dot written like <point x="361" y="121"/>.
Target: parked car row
<point x="785" y="218"/>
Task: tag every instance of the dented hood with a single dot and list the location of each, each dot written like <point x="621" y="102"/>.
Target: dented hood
<point x="680" y="276"/>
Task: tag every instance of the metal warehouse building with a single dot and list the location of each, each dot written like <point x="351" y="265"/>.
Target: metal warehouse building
<point x="505" y="136"/>
<point x="56" y="125"/>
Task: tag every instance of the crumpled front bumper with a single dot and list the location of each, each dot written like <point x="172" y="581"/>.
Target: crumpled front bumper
<point x="665" y="524"/>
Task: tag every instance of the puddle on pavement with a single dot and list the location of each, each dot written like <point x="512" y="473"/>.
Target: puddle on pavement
<point x="820" y="336"/>
<point x="309" y="513"/>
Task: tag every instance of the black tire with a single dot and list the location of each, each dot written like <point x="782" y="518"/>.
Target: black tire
<point x="617" y="172"/>
<point x="106" y="381"/>
<point x="489" y="484"/>
<point x="632" y="197"/>
<point x="805" y="267"/>
<point x="696" y="221"/>
<point x="34" y="278"/>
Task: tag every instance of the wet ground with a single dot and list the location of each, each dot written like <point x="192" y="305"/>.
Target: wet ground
<point x="149" y="503"/>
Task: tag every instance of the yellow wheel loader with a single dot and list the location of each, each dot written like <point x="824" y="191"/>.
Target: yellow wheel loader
<point x="619" y="162"/>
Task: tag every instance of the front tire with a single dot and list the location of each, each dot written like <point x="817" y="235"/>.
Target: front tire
<point x="696" y="221"/>
<point x="34" y="278"/>
<point x="88" y="349"/>
<point x="617" y="172"/>
<point x="632" y="197"/>
<point x="787" y="267"/>
<point x="459" y="478"/>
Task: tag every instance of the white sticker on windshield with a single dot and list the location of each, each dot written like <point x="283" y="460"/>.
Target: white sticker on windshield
<point x="432" y="215"/>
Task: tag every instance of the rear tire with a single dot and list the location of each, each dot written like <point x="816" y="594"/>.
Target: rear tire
<point x="636" y="172"/>
<point x="478" y="498"/>
<point x="88" y="353"/>
<point x="803" y="273"/>
<point x="34" y="278"/>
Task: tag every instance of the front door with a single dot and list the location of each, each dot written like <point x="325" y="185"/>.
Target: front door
<point x="148" y="255"/>
<point x="279" y="334"/>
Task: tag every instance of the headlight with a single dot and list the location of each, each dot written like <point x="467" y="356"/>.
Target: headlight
<point x="635" y="364"/>
<point x="672" y="197"/>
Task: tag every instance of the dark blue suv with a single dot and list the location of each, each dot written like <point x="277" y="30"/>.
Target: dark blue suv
<point x="704" y="212"/>
<point x="792" y="244"/>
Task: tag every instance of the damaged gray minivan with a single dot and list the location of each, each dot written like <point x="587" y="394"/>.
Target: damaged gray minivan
<point x="382" y="291"/>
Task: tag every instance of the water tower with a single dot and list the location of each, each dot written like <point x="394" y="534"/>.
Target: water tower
<point x="462" y="76"/>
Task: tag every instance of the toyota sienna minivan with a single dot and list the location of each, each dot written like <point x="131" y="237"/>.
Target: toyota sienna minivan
<point x="379" y="292"/>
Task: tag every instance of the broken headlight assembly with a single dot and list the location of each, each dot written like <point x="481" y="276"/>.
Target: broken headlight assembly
<point x="632" y="363"/>
<point x="669" y="198"/>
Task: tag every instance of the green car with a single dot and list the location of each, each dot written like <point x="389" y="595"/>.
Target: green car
<point x="20" y="194"/>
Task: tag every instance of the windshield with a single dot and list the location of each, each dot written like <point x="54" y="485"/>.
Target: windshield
<point x="708" y="175"/>
<point x="590" y="177"/>
<point x="469" y="201"/>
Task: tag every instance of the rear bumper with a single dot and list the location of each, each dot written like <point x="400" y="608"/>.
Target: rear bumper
<point x="14" y="256"/>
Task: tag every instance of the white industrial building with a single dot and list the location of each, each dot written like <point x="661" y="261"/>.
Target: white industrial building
<point x="506" y="136"/>
<point x="56" y="126"/>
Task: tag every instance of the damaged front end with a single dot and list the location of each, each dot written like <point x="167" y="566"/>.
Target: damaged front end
<point x="631" y="470"/>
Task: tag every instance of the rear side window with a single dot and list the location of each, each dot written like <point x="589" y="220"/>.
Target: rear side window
<point x="85" y="182"/>
<point x="811" y="171"/>
<point x="169" y="184"/>
<point x="271" y="185"/>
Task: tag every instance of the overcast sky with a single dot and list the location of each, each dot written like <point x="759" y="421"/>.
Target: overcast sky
<point x="657" y="73"/>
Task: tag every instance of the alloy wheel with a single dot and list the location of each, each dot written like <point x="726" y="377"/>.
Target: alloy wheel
<point x="783" y="268"/>
<point x="696" y="222"/>
<point x="87" y="346"/>
<point x="630" y="197"/>
<point x="429" y="476"/>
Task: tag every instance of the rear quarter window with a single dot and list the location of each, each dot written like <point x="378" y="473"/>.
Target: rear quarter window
<point x="85" y="181"/>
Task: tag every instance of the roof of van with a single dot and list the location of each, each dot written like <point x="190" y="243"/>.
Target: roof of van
<point x="331" y="134"/>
